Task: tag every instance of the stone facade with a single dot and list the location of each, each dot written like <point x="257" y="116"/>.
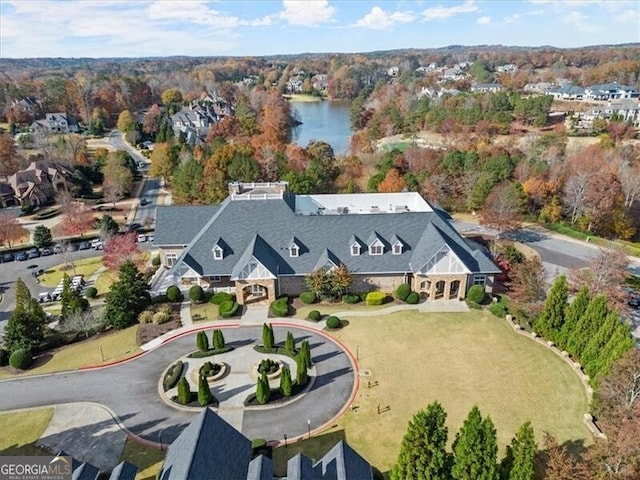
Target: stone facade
<point x="250" y="291"/>
<point x="385" y="283"/>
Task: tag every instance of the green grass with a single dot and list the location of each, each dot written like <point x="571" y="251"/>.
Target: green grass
<point x="461" y="360"/>
<point x="330" y="309"/>
<point x="86" y="267"/>
<point x="400" y="146"/>
<point x="95" y="351"/>
<point x="104" y="281"/>
<point x="20" y="430"/>
<point x="630" y="248"/>
<point x="147" y="459"/>
<point x="204" y="312"/>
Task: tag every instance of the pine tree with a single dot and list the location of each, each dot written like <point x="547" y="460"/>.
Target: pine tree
<point x="218" y="339"/>
<point x="290" y="343"/>
<point x="263" y="391"/>
<point x="127" y="297"/>
<point x="286" y="385"/>
<point x="205" y="397"/>
<point x="475" y="449"/>
<point x="588" y="325"/>
<point x="572" y="315"/>
<point x="26" y="325"/>
<point x="184" y="392"/>
<point x="267" y="336"/>
<point x="302" y="377"/>
<point x="22" y="296"/>
<point x="550" y="321"/>
<point x="423" y="452"/>
<point x="523" y="448"/>
<point x="305" y="352"/>
<point x="620" y="342"/>
<point x="202" y="342"/>
<point x="591" y="357"/>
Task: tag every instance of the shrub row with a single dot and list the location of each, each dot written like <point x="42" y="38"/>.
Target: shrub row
<point x="221" y="297"/>
<point x="172" y="376"/>
<point x="376" y="298"/>
<point x="280" y="308"/>
<point x="210" y="352"/>
<point x="402" y="292"/>
<point x="351" y="298"/>
<point x="228" y="308"/>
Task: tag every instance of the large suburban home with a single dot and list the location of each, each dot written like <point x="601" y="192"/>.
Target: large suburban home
<point x="263" y="241"/>
<point x="567" y="92"/>
<point x="611" y="91"/>
<point x="36" y="185"/>
<point x="625" y="110"/>
<point x="57" y="122"/>
<point x="210" y="448"/>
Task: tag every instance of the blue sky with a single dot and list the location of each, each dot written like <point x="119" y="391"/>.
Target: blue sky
<point x="131" y="28"/>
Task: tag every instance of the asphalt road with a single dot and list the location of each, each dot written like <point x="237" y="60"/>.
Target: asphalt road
<point x="130" y="389"/>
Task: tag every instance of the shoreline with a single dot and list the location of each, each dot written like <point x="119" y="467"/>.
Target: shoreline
<point x="302" y="98"/>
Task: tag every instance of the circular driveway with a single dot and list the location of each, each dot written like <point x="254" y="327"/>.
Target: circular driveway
<point x="130" y="389"/>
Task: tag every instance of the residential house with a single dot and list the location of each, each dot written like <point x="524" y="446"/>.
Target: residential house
<point x="487" y="87"/>
<point x="626" y="110"/>
<point x="508" y="68"/>
<point x="263" y="241"/>
<point x="193" y="121"/>
<point x="211" y="449"/>
<point x="540" y="87"/>
<point x="27" y="107"/>
<point x="611" y="91"/>
<point x="57" y="122"/>
<point x="36" y="185"/>
<point x="567" y="92"/>
<point x="452" y="74"/>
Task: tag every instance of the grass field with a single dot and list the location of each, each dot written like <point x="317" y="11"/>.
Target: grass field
<point x="18" y="431"/>
<point x="147" y="459"/>
<point x="86" y="267"/>
<point x="95" y="351"/>
<point x="460" y="360"/>
<point x="104" y="281"/>
<point x="204" y="312"/>
<point x="299" y="97"/>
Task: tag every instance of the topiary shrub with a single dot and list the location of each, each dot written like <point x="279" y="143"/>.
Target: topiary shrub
<point x="412" y="298"/>
<point x="315" y="315"/>
<point x="161" y="317"/>
<point x="268" y="366"/>
<point x="155" y="261"/>
<point x="172" y="376"/>
<point x="376" y="298"/>
<point x="228" y="308"/>
<point x="202" y="341"/>
<point x="205" y="397"/>
<point x="221" y="297"/>
<point x="363" y="296"/>
<point x="476" y="294"/>
<point x="351" y="299"/>
<point x="4" y="357"/>
<point x="174" y="294"/>
<point x="500" y="308"/>
<point x="333" y="322"/>
<point x="402" y="292"/>
<point x="280" y="308"/>
<point x="146" y="316"/>
<point x="184" y="391"/>
<point x="209" y="369"/>
<point x="21" y="359"/>
<point x="91" y="292"/>
<point x="196" y="294"/>
<point x="308" y="298"/>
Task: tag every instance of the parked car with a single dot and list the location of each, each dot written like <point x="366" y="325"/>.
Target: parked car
<point x="34" y="253"/>
<point x="96" y="244"/>
<point x="46" y="251"/>
<point x="150" y="237"/>
<point x="143" y="202"/>
<point x="133" y="227"/>
<point x="22" y="256"/>
<point x="84" y="246"/>
<point x="74" y="247"/>
<point x="142" y="238"/>
<point x="7" y="257"/>
<point x="57" y="248"/>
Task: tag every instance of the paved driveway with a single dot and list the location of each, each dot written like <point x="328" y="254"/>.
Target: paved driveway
<point x="130" y="389"/>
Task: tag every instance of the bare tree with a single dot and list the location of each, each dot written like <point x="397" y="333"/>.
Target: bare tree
<point x="575" y="193"/>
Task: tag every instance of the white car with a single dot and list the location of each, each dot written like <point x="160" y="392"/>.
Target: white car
<point x="142" y="238"/>
<point x="96" y="244"/>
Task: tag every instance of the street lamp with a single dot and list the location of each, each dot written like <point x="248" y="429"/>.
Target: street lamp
<point x="285" y="439"/>
<point x="309" y="427"/>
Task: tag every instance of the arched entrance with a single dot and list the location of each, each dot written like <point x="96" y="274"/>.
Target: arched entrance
<point x="439" y="289"/>
<point x="454" y="289"/>
<point x="254" y="293"/>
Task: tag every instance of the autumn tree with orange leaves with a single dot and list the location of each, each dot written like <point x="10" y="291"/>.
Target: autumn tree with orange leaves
<point x="120" y="249"/>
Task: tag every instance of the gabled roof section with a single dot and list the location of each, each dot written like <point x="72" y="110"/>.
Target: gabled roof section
<point x="178" y="225"/>
<point x="85" y="471"/>
<point x="343" y="463"/>
<point x="124" y="471"/>
<point x="260" y="468"/>
<point x="299" y="468"/>
<point x="375" y="239"/>
<point x="327" y="260"/>
<point x="259" y="251"/>
<point x="207" y="448"/>
<point x="354" y="240"/>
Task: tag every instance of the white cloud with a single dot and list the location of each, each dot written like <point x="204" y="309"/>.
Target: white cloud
<point x="627" y="16"/>
<point x="440" y="11"/>
<point x="378" y="19"/>
<point x="483" y="20"/>
<point x="579" y="22"/>
<point x="311" y="12"/>
<point x="512" y="18"/>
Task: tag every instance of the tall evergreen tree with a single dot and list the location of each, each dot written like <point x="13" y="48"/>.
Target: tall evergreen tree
<point x="184" y="391"/>
<point x="591" y="356"/>
<point x="22" y="296"/>
<point x="550" y="321"/>
<point x="302" y="377"/>
<point x="475" y="449"/>
<point x="305" y="352"/>
<point x="218" y="339"/>
<point x="423" y="454"/>
<point x="205" y="397"/>
<point x="263" y="391"/>
<point x="290" y="343"/>
<point x="27" y="323"/>
<point x="588" y="324"/>
<point x="70" y="300"/>
<point x="523" y="447"/>
<point x="572" y="314"/>
<point x="620" y="342"/>
<point x="267" y="336"/>
<point x="202" y="341"/>
<point x="127" y="297"/>
<point x="286" y="384"/>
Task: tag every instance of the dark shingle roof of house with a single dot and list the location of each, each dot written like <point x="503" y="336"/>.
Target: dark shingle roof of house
<point x="343" y="463"/>
<point x="300" y="468"/>
<point x="260" y="468"/>
<point x="264" y="229"/>
<point x="124" y="471"/>
<point x="85" y="471"/>
<point x="208" y="448"/>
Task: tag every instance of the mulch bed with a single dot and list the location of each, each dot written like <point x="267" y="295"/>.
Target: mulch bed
<point x="149" y="331"/>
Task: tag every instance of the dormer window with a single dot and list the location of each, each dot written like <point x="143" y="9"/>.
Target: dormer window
<point x="355" y="249"/>
<point x="217" y="253"/>
<point x="397" y="248"/>
<point x="294" y="251"/>
<point x="376" y="248"/>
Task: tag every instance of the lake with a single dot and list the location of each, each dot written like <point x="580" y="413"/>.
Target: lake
<point x="326" y="121"/>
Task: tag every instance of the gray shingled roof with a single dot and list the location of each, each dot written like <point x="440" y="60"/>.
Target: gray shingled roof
<point x="264" y="229"/>
<point x="343" y="463"/>
<point x="260" y="468"/>
<point x="85" y="471"/>
<point x="207" y="448"/>
<point x="300" y="468"/>
<point x="124" y="471"/>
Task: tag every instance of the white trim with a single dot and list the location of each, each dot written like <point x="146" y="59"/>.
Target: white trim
<point x="378" y="246"/>
<point x="218" y="253"/>
<point x="396" y="246"/>
<point x="294" y="251"/>
<point x="455" y="265"/>
<point x="356" y="249"/>
<point x="479" y="280"/>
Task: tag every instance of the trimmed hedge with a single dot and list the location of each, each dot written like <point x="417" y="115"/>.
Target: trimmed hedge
<point x="172" y="376"/>
<point x="174" y="294"/>
<point x="351" y="299"/>
<point x="376" y="298"/>
<point x="363" y="296"/>
<point x="412" y="298"/>
<point x="402" y="291"/>
<point x="209" y="353"/>
<point x="476" y="294"/>
<point x="315" y="315"/>
<point x="228" y="308"/>
<point x="275" y="351"/>
<point x="155" y="261"/>
<point x="333" y="322"/>
<point x="500" y="308"/>
<point x="308" y="298"/>
<point x="280" y="308"/>
<point x="21" y="359"/>
<point x="196" y="294"/>
<point x="91" y="292"/>
<point x="220" y="297"/>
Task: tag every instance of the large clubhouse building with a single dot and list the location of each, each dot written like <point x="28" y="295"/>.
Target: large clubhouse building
<point x="262" y="241"/>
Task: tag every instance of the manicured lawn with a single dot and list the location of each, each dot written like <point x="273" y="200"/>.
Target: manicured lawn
<point x="19" y="430"/>
<point x="459" y="359"/>
<point x="147" y="459"/>
<point x="330" y="309"/>
<point x="86" y="267"/>
<point x="104" y="281"/>
<point x="95" y="351"/>
<point x="204" y="312"/>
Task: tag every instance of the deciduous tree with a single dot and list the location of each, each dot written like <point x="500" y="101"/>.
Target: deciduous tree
<point x="163" y="162"/>
<point x="10" y="229"/>
<point x="504" y="207"/>
<point x="120" y="249"/>
<point x="393" y="182"/>
<point x="8" y="155"/>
